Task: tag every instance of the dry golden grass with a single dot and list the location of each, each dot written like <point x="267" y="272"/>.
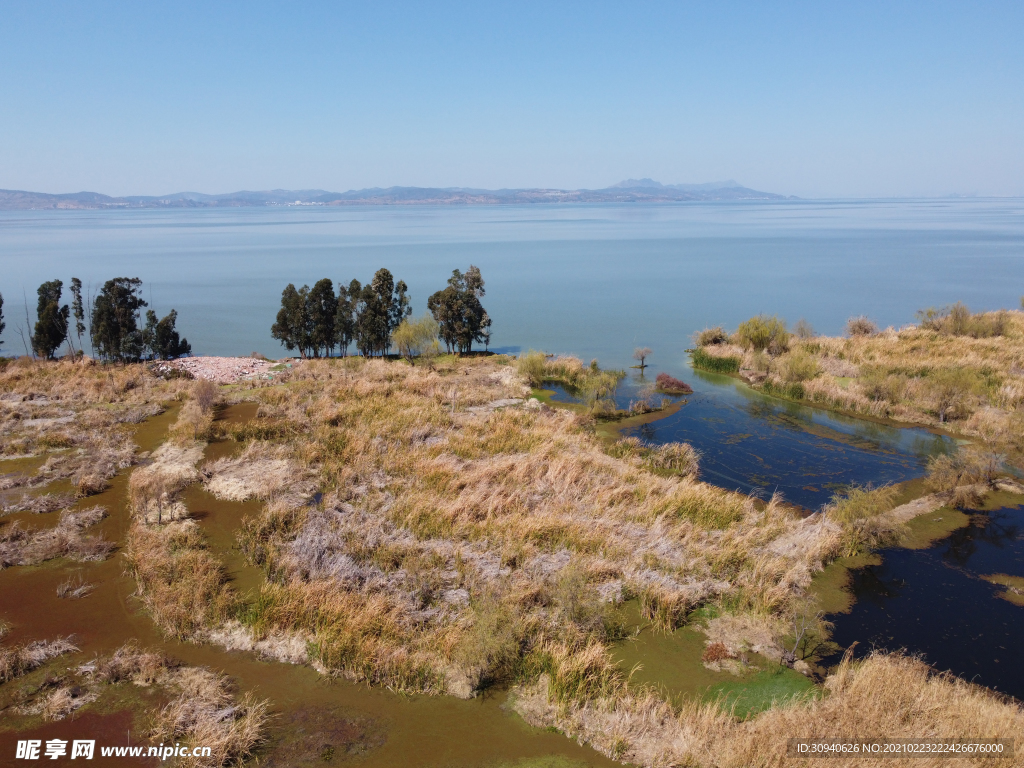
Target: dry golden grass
<point x="154" y="489"/>
<point x="442" y="513"/>
<point x="20" y="660"/>
<point x="79" y="415"/>
<point x="129" y="663"/>
<point x="206" y="713"/>
<point x="20" y="546"/>
<point x="262" y="471"/>
<point x="862" y="513"/>
<point x="184" y="586"/>
<point x="884" y="695"/>
<point x="973" y="385"/>
<point x="963" y="371"/>
<point x="464" y="539"/>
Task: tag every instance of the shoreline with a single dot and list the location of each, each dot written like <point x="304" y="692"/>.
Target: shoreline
<point x="881" y="420"/>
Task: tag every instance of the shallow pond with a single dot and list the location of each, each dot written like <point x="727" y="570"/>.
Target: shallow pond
<point x="758" y="444"/>
<point x="953" y="602"/>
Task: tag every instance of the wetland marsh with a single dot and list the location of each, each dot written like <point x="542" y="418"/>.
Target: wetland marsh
<point x="491" y="566"/>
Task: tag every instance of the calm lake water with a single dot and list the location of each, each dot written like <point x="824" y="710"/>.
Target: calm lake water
<point x="592" y="280"/>
<point x="936" y="603"/>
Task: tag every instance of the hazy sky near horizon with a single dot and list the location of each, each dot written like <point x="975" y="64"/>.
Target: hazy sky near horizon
<point x="809" y="99"/>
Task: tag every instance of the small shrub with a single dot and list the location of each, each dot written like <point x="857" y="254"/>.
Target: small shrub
<point x="672" y="385"/>
<point x="759" y="362"/>
<point x="129" y="662"/>
<point x="803" y="330"/>
<point x="957" y="320"/>
<point x="950" y="390"/>
<point x="706" y="362"/>
<point x="193" y="423"/>
<point x="763" y="333"/>
<point x="798" y="366"/>
<point x="415" y="338"/>
<point x="74" y="588"/>
<point x="204" y="393"/>
<point x="261" y="429"/>
<point x="56" y="441"/>
<point x="666" y="610"/>
<point x="579" y="674"/>
<point x="947" y="472"/>
<point x="966" y="497"/>
<point x="716" y="652"/>
<point x="491" y="651"/>
<point x="628" y="448"/>
<point x="601" y="386"/>
<point x="90" y="485"/>
<point x="710" y="336"/>
<point x="640" y="354"/>
<point x="861" y="512"/>
<point x="861" y="503"/>
<point x="860" y="326"/>
<point x="879" y="385"/>
<point x="681" y="458"/>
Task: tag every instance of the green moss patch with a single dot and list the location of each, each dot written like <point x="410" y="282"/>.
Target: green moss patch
<point x="775" y="685"/>
<point x="829" y="588"/>
<point x="1014" y="591"/>
<point x="924" y="530"/>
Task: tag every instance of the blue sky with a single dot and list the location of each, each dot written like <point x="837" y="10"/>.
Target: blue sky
<point x="811" y="99"/>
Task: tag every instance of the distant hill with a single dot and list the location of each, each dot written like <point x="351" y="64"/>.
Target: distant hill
<point x="629" y="191"/>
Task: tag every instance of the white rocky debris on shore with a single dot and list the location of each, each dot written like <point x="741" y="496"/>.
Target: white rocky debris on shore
<point x="224" y="370"/>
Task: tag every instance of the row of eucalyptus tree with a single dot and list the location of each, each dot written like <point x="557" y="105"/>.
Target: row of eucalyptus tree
<point x="318" y="321"/>
<point x="114" y="329"/>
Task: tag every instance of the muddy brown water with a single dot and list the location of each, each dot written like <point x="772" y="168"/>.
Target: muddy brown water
<point x="316" y="721"/>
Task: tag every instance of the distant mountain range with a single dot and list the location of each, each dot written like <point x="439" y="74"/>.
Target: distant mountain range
<point x="629" y="191"/>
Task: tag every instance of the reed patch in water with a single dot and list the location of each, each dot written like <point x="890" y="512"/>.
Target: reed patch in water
<point x="705" y="361"/>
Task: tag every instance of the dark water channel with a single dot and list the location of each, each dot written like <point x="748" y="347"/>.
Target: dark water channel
<point x="937" y="602"/>
<point x="757" y="444"/>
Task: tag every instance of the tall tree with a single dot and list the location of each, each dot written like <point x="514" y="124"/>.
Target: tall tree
<point x="293" y="327"/>
<point x="162" y="339"/>
<point x="52" y="320"/>
<point x="323" y="307"/>
<point x="345" y="316"/>
<point x="115" y="320"/>
<point x="460" y="315"/>
<point x="77" y="309"/>
<point x="382" y="307"/>
<point x="2" y="323"/>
